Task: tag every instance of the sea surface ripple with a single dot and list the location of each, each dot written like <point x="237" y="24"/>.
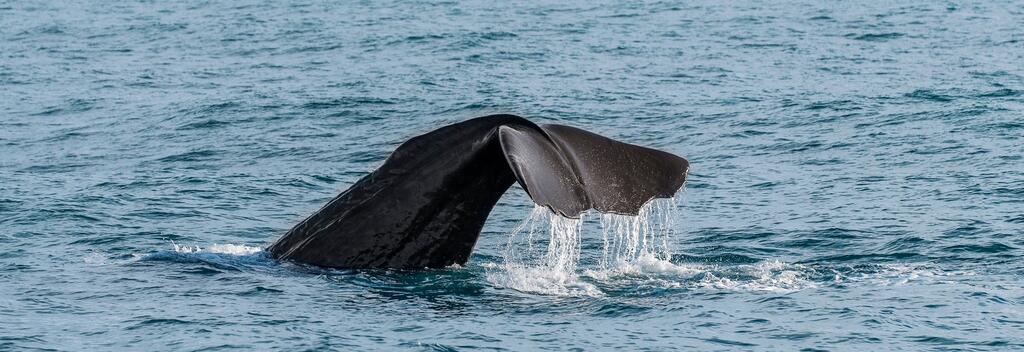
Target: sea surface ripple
<point x="857" y="179"/>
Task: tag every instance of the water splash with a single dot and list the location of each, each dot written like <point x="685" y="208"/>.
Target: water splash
<point x="552" y="270"/>
<point x="629" y="242"/>
<point x="633" y="248"/>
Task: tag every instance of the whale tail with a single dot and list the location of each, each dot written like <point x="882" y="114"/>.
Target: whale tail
<point x="425" y="206"/>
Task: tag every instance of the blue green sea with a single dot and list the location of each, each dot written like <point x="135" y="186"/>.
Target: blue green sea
<point x="856" y="179"/>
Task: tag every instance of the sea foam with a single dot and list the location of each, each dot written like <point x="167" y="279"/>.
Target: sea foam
<point x="231" y="249"/>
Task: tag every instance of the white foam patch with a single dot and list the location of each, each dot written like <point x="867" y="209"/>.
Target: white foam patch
<point x="231" y="249"/>
<point x="904" y="274"/>
<point x="541" y="280"/>
<point x="96" y="258"/>
<point x="771" y="276"/>
<point x="647" y="265"/>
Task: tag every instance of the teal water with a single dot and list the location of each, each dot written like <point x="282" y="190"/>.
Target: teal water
<point x="857" y="180"/>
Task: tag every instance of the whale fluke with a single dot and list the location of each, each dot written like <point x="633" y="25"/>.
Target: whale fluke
<point x="425" y="206"/>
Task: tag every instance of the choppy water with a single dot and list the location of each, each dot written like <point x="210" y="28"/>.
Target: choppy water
<point x="857" y="180"/>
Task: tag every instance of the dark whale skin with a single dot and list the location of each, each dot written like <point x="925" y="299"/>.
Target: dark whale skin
<point x="426" y="205"/>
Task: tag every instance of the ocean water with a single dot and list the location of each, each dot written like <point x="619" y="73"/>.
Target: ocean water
<point x="857" y="180"/>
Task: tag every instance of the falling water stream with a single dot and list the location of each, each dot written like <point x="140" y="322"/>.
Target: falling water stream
<point x="544" y="252"/>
